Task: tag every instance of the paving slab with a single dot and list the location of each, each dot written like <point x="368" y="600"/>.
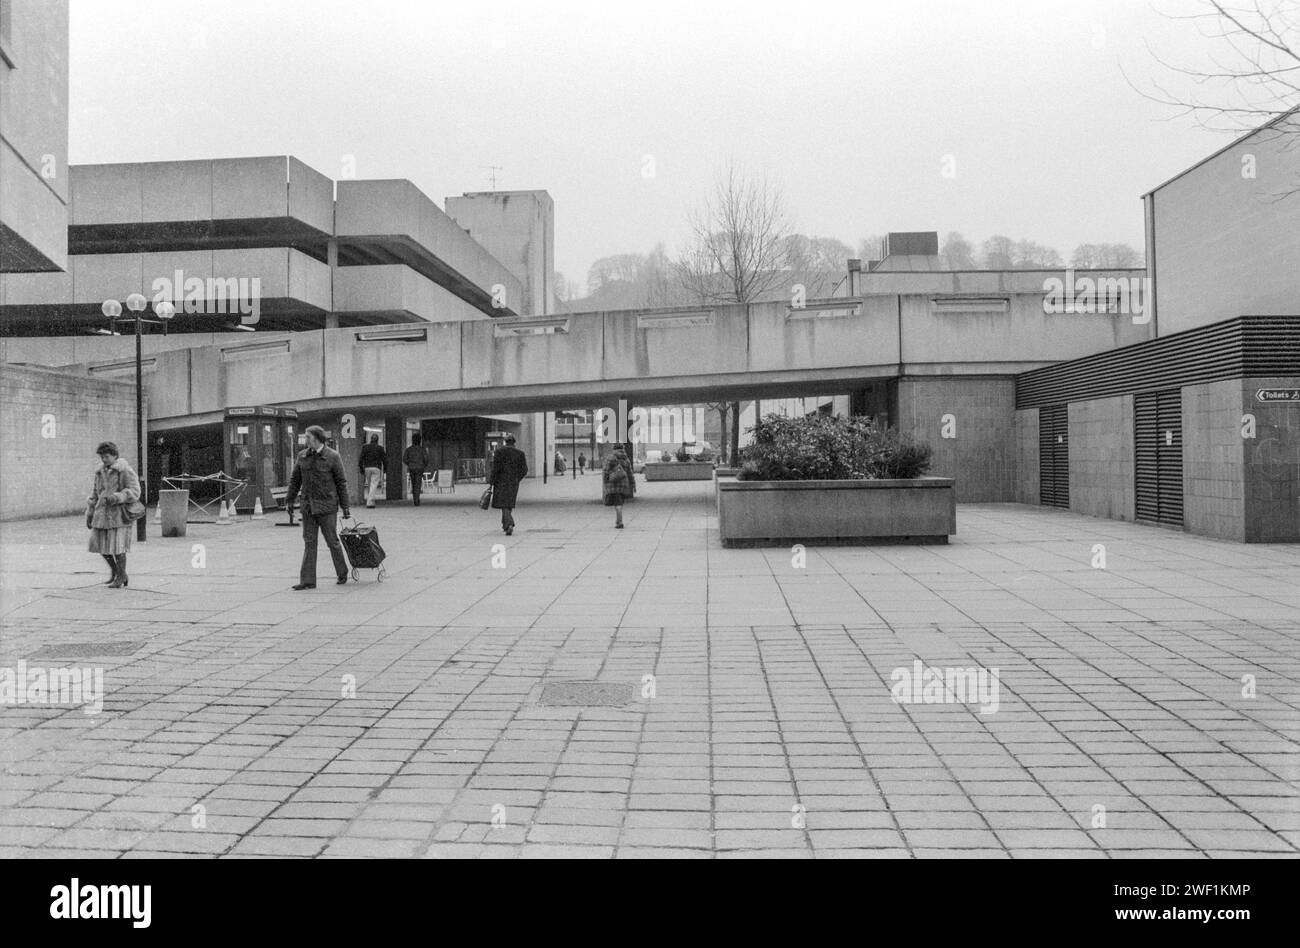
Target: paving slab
<point x="747" y="707"/>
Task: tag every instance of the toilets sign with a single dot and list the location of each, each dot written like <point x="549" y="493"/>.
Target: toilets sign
<point x="1277" y="395"/>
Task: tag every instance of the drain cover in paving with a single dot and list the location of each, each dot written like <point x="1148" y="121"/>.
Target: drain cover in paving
<point x="86" y="649"/>
<point x="578" y="694"/>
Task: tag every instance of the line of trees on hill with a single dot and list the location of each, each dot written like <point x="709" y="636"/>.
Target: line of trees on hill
<point x="654" y="279"/>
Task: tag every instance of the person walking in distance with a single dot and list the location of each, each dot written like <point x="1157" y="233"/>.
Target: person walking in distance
<point x="374" y="462"/>
<point x="319" y="476"/>
<point x="582" y="463"/>
<point x="616" y="483"/>
<point x="509" y="467"/>
<point x="416" y="459"/>
<point x="116" y="487"/>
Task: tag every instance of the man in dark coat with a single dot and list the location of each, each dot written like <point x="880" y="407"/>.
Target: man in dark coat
<point x="318" y="475"/>
<point x="416" y="459"/>
<point x="509" y="467"/>
<point x="373" y="465"/>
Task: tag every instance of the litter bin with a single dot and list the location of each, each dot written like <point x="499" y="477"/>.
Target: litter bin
<point x="174" y="505"/>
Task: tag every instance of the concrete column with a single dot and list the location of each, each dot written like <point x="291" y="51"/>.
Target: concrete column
<point x="394" y="445"/>
<point x="332" y="258"/>
<point x="345" y="429"/>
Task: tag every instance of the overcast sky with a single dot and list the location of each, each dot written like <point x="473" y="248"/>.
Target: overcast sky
<point x="850" y="108"/>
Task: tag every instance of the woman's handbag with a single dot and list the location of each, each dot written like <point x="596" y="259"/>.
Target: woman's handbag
<point x="135" y="510"/>
<point x="485" y="501"/>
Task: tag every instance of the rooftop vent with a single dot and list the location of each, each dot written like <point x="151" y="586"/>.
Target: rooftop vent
<point x="924" y="243"/>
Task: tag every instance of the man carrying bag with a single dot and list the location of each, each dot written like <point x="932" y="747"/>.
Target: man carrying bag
<point x="319" y="476"/>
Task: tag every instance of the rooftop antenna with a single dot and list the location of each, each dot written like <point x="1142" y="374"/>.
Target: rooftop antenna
<point x="494" y="169"/>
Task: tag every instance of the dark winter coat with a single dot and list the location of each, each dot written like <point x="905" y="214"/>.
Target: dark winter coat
<point x="624" y="486"/>
<point x="320" y="478"/>
<point x="115" y="488"/>
<point x="509" y="467"/>
<point x="416" y="458"/>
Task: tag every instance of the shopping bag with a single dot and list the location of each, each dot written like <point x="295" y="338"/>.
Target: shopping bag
<point x="362" y="545"/>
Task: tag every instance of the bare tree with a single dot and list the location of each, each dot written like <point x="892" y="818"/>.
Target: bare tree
<point x="957" y="252"/>
<point x="1031" y="255"/>
<point x="737" y="242"/>
<point x="722" y="408"/>
<point x="657" y="278"/>
<point x="566" y="291"/>
<point x="1252" y="78"/>
<point x="737" y="249"/>
<point x="998" y="253"/>
<point x="871" y="247"/>
<point x="819" y="263"/>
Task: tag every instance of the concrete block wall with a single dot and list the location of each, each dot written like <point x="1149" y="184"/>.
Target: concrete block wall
<point x="50" y="424"/>
<point x="1102" y="457"/>
<point x="1214" y="490"/>
<point x="982" y="456"/>
<point x="1272" y="464"/>
<point x="1026" y="443"/>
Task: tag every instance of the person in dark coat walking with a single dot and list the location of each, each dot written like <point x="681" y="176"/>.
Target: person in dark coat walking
<point x="416" y="459"/>
<point x="116" y="487"/>
<point x="616" y="483"/>
<point x="319" y="476"/>
<point x="509" y="467"/>
<point x="373" y="464"/>
<point x="582" y="464"/>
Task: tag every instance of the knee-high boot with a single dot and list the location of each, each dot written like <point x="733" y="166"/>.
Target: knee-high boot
<point x="121" y="579"/>
<point x="112" y="565"/>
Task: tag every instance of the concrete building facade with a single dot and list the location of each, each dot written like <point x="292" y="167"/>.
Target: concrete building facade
<point x="1223" y="237"/>
<point x="33" y="135"/>
<point x="518" y="228"/>
<point x="1197" y="431"/>
<point x="252" y="252"/>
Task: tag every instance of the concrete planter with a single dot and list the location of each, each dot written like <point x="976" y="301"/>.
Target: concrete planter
<point x="679" y="471"/>
<point x="917" y="510"/>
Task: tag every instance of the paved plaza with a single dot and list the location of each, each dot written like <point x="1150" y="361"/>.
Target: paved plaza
<point x="746" y="707"/>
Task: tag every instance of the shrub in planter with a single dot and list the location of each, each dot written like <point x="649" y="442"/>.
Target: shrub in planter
<point x="820" y="447"/>
<point x="682" y="455"/>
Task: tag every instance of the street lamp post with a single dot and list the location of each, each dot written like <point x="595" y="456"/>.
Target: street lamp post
<point x="136" y="303"/>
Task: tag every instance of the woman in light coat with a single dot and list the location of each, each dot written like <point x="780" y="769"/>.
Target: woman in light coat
<point x="116" y="487"/>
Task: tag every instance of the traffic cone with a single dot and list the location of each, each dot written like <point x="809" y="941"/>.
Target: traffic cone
<point x="257" y="510"/>
<point x="223" y="516"/>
